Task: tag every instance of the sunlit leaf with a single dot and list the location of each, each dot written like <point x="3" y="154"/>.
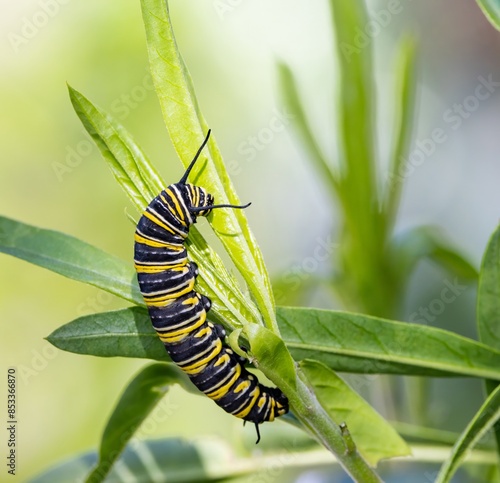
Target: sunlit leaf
<point x="491" y="8"/>
<point x="187" y="128"/>
<point x="129" y="165"/>
<point x="141" y="183"/>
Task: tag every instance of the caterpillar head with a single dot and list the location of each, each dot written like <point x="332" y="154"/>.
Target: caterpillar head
<point x="200" y="201"/>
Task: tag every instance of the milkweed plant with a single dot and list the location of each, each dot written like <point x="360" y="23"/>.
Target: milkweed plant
<point x="299" y="349"/>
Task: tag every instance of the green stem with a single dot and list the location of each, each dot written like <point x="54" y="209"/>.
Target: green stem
<point x="314" y="417"/>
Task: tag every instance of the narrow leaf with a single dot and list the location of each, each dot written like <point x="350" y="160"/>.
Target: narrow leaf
<point x="429" y="242"/>
<point x="488" y="306"/>
<point x="358" y="343"/>
<point x="293" y="103"/>
<point x="126" y="160"/>
<point x="485" y="418"/>
<point x="141" y="396"/>
<point x="405" y="108"/>
<point x="70" y="257"/>
<point x="356" y="106"/>
<point x="123" y="333"/>
<point x="491" y="9"/>
<point x="141" y="183"/>
<point x="342" y="341"/>
<point x="488" y="296"/>
<point x="187" y="128"/>
<point x="344" y="405"/>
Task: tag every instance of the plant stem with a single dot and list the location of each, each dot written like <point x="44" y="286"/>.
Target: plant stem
<point x="314" y="417"/>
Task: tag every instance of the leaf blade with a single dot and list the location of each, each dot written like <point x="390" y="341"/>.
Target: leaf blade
<point x="483" y="420"/>
<point x="290" y="94"/>
<point x="488" y="297"/>
<point x="488" y="306"/>
<point x="127" y="161"/>
<point x="351" y="350"/>
<point x="187" y="128"/>
<point x="405" y="109"/>
<point x="491" y="9"/>
<point x="121" y="333"/>
<point x="358" y="343"/>
<point x="141" y="183"/>
<point x="69" y="257"/>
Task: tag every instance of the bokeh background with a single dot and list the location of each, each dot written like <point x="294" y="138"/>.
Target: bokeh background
<point x="52" y="176"/>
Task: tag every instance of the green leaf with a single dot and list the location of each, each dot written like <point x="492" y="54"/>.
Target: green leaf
<point x="139" y="399"/>
<point x="358" y="343"/>
<point x="342" y="341"/>
<point x="405" y="109"/>
<point x="141" y="183"/>
<point x="292" y="101"/>
<point x="488" y="305"/>
<point x="123" y="333"/>
<point x="344" y="405"/>
<point x="485" y="418"/>
<point x="488" y="294"/>
<point x="429" y="242"/>
<point x="491" y="8"/>
<point x="70" y="257"/>
<point x="129" y="165"/>
<point x="356" y="105"/>
<point x="187" y="128"/>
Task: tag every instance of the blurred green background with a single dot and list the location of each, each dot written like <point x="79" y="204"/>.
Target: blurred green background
<point x="52" y="175"/>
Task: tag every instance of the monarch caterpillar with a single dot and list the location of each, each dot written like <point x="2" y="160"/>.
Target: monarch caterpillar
<point x="179" y="313"/>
